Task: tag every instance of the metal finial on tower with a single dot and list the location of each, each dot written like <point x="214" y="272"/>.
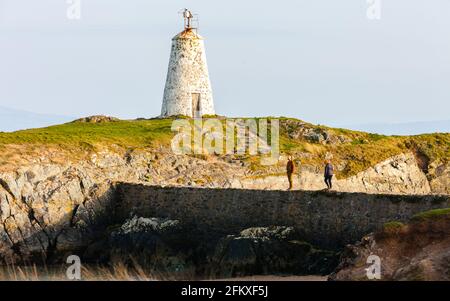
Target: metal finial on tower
<point x="189" y="19"/>
<point x="187" y="15"/>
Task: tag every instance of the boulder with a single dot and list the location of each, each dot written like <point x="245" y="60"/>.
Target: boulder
<point x="269" y="250"/>
<point x="150" y="243"/>
<point x="97" y="119"/>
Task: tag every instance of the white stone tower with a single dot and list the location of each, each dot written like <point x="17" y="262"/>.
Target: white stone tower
<point x="188" y="88"/>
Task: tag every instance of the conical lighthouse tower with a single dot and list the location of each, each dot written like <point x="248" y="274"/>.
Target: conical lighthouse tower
<point x="188" y="88"/>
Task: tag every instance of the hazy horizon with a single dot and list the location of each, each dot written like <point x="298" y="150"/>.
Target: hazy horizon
<point x="320" y="61"/>
<point x="14" y="120"/>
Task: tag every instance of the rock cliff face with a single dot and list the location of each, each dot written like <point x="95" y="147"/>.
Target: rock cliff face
<point x="51" y="208"/>
<point x="440" y="178"/>
<point x="397" y="175"/>
<point x="417" y="251"/>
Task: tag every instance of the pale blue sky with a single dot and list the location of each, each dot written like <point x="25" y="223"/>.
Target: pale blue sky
<point x="319" y="60"/>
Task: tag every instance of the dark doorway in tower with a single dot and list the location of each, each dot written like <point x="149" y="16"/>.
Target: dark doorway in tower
<point x="196" y="105"/>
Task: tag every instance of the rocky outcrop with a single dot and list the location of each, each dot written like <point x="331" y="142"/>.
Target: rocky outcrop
<point x="296" y="129"/>
<point x="153" y="243"/>
<point x="176" y="251"/>
<point x="270" y="250"/>
<point x="49" y="208"/>
<point x="97" y="119"/>
<point x="397" y="175"/>
<point x="419" y="250"/>
<point x="439" y="175"/>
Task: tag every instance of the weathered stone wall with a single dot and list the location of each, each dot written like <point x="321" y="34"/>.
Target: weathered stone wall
<point x="328" y="219"/>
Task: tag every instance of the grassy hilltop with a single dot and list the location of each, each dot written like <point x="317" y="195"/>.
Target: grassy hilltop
<point x="311" y="144"/>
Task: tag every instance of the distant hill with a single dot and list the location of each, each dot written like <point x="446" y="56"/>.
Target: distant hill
<point x="408" y="128"/>
<point x="14" y="120"/>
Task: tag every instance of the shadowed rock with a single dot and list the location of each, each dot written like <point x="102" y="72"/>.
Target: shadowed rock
<point x="270" y="250"/>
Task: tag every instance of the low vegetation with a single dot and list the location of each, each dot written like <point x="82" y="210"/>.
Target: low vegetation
<point x="393" y="225"/>
<point x="432" y="214"/>
<point x="351" y="151"/>
<point x="114" y="272"/>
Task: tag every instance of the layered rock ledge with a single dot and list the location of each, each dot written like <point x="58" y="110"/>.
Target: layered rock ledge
<point x="73" y="218"/>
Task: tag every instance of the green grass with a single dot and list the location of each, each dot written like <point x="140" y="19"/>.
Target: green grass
<point x="359" y="151"/>
<point x="432" y="214"/>
<point x="138" y="133"/>
<point x="392" y="226"/>
<point x="364" y="150"/>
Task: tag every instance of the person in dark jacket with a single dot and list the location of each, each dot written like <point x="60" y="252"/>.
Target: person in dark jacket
<point x="290" y="169"/>
<point x="329" y="172"/>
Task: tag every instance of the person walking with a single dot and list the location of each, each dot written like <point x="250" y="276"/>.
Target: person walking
<point x="328" y="175"/>
<point x="290" y="169"/>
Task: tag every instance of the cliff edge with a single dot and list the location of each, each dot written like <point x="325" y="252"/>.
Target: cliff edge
<point x="419" y="250"/>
